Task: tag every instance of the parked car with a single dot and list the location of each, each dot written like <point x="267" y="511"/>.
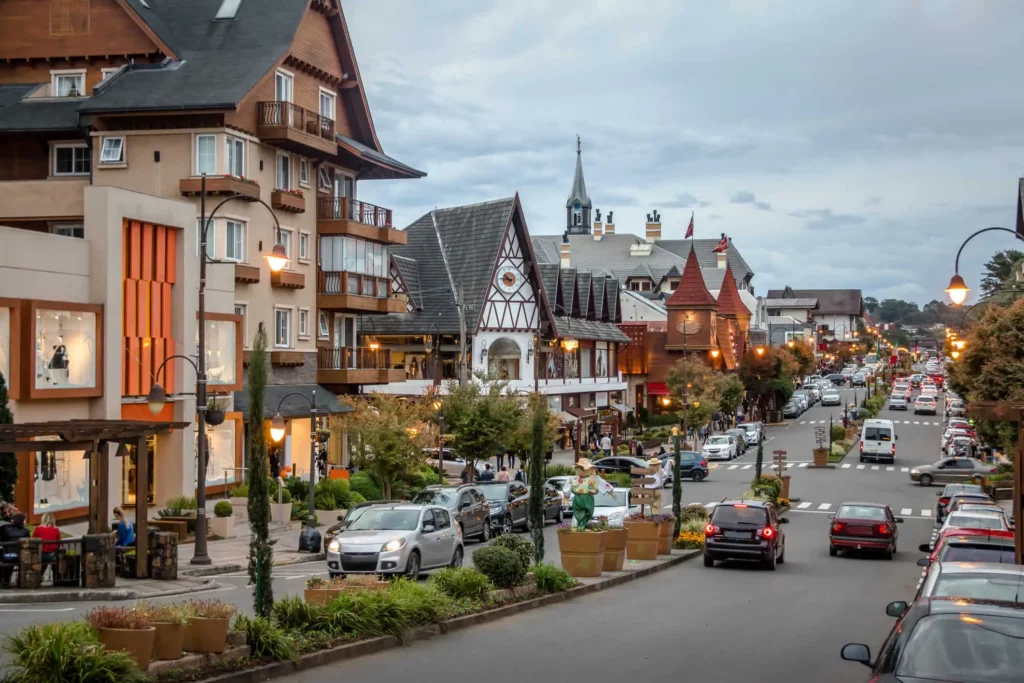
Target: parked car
<point x="396" y="539"/>
<point x="863" y="526"/>
<point x="949" y="470"/>
<point x="741" y="439"/>
<point x="951" y="490"/>
<point x="509" y="503"/>
<point x="956" y="408"/>
<point x="831" y="397"/>
<point x="745" y="530"/>
<point x="897" y="402"/>
<point x="972" y="581"/>
<point x="984" y="506"/>
<point x="693" y="466"/>
<point x="925" y="403"/>
<point x="971" y="547"/>
<point x="467" y="505"/>
<point x="561" y="484"/>
<point x="720" y="447"/>
<point x="353" y="514"/>
<point x="614" y="506"/>
<point x="808" y="396"/>
<point x="989" y="521"/>
<point x="838" y="379"/>
<point x="754" y="430"/>
<point x="620" y="463"/>
<point x="792" y="409"/>
<point x="814" y="391"/>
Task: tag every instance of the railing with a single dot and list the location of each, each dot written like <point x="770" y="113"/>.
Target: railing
<point x="346" y="358"/>
<point x="336" y="282"/>
<point x="338" y="208"/>
<point x="62" y="562"/>
<point x="294" y="116"/>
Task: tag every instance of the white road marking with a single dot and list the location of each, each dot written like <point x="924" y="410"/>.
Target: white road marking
<point x="860" y="467"/>
<point x="906" y="511"/>
<point x="732" y="467"/>
<point x="916" y="422"/>
<point x="803" y="506"/>
<point x="926" y="513"/>
<point x="906" y="422"/>
<point x="890" y="469"/>
<point x="904" y="469"/>
<point x="825" y="506"/>
<point x="847" y="466"/>
<point x="746" y="467"/>
<point x="803" y="422"/>
<point x="874" y="468"/>
<point x="804" y="464"/>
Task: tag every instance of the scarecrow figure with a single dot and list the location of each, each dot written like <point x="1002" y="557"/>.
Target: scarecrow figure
<point x="657" y="485"/>
<point x="583" y="486"/>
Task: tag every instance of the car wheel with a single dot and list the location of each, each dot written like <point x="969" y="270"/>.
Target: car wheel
<point x="894" y="547"/>
<point x="457" y="557"/>
<point x="926" y="480"/>
<point x="698" y="475"/>
<point x="708" y="560"/>
<point x="506" y="525"/>
<point x="412" y="567"/>
<point x="769" y="562"/>
<point x="862" y="458"/>
<point x="888" y="553"/>
<point x="832" y="550"/>
<point x="558" y="515"/>
<point x="782" y="557"/>
<point x="485" y="533"/>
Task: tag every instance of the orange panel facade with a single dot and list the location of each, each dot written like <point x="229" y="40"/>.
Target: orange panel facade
<point x="149" y="262"/>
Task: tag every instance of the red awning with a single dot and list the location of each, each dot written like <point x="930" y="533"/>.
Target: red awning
<point x="657" y="389"/>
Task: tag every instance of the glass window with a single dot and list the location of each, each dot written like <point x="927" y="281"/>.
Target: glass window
<point x="441" y="519"/>
<point x="585" y="363"/>
<point x="242" y="310"/>
<point x="325" y="178"/>
<point x="236" y="156"/>
<point x="220" y="351"/>
<point x="5" y="341"/>
<point x="211" y="237"/>
<point x="65" y="356"/>
<point x="351" y="255"/>
<point x="284" y="238"/>
<point x="303" y="246"/>
<point x="69" y="85"/>
<point x="235" y="238"/>
<point x="283" y="87"/>
<point x="220" y="459"/>
<point x="327" y="105"/>
<point x="877" y="434"/>
<point x="323" y="328"/>
<point x="601" y="360"/>
<point x="206" y="154"/>
<point x="360" y="261"/>
<point x="71" y="160"/>
<point x="982" y="649"/>
<point x="862" y="512"/>
<point x="284" y="172"/>
<point x="68" y="229"/>
<point x="303" y="171"/>
<point x="61" y="481"/>
<point x="112" y="151"/>
<point x="736" y="514"/>
<point x="282" y="328"/>
<point x="303" y="323"/>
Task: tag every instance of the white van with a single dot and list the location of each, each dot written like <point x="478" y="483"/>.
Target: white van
<point x="878" y="441"/>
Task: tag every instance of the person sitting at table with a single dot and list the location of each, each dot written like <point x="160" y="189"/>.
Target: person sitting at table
<point x="48" y="531"/>
<point x="125" y="530"/>
<point x="10" y="534"/>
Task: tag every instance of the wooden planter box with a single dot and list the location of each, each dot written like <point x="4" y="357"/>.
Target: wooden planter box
<point x="320" y="596"/>
<point x="615" y="550"/>
<point x="642" y="540"/>
<point x="665" y="538"/>
<point x="820" y="457"/>
<point x="285" y="201"/>
<point x="582" y="552"/>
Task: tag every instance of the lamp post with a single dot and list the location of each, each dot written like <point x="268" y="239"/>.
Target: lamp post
<point x="276" y="260"/>
<point x="439" y="407"/>
<point x="277" y="430"/>
<point x="957" y="288"/>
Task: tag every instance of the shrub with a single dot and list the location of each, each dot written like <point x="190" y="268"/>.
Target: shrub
<point x="300" y="512"/>
<point x="295" y="614"/>
<point x="622" y="448"/>
<point x="66" y="651"/>
<point x="339" y="489"/>
<point x="838" y="432"/>
<point x="369" y="613"/>
<point x="240" y="491"/>
<point x="501" y="565"/>
<point x="619" y="479"/>
<point x="839" y="447"/>
<point x="299" y="488"/>
<point x="166" y="613"/>
<point x="356" y="498"/>
<point x="363" y="484"/>
<point x="560" y="470"/>
<point x="213" y="609"/>
<point x="117" y="617"/>
<point x="324" y="501"/>
<point x="265" y="638"/>
<point x="519" y="545"/>
<point x="316" y="583"/>
<point x="223" y="509"/>
<point x="423" y="603"/>
<point x="753" y="495"/>
<point x="552" y="579"/>
<point x="695" y="512"/>
<point x="462" y="582"/>
<point x="422" y="479"/>
<point x="182" y="503"/>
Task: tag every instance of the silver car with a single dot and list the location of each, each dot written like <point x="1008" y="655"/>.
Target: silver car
<point x="950" y="471"/>
<point x="401" y="538"/>
<point x="831" y="397"/>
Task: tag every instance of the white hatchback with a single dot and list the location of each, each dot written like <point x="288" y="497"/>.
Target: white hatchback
<point x="720" y="447"/>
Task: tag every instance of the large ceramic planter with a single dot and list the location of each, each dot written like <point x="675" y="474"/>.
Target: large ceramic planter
<point x="665" y="538"/>
<point x="582" y="552"/>
<point x="320" y="596"/>
<point x="207" y="636"/>
<point x="170" y="640"/>
<point x="820" y="457"/>
<point x="240" y="508"/>
<point x="138" y="643"/>
<point x="642" y="540"/>
<point x="222" y="527"/>
<point x="280" y="513"/>
<point x="615" y="550"/>
<point x="785" y="487"/>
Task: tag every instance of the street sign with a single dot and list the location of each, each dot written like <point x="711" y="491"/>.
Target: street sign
<point x="642" y="470"/>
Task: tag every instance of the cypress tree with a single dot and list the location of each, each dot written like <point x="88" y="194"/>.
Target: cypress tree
<point x="261" y="554"/>
<point x="8" y="461"/>
<point x="536" y="511"/>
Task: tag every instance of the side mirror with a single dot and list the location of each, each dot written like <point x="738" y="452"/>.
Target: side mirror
<point x="899" y="520"/>
<point x="924" y="562"/>
<point x="938" y="493"/>
<point x="783" y="520"/>
<point x="896" y="609"/>
<point x="831" y="515"/>
<point x="924" y="548"/>
<point x="428" y="527"/>
<point x="341" y="518"/>
<point x="897" y="437"/>
<point x="856" y="652"/>
<point x="465" y="504"/>
<point x="511" y="497"/>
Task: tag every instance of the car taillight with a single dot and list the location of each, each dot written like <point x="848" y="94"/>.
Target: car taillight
<point x="710" y="530"/>
<point x="838" y="527"/>
<point x="943" y="501"/>
<point x="767" y="532"/>
<point x="704" y="463"/>
<point x="993" y="469"/>
<point x="883" y="529"/>
<point x="861" y="446"/>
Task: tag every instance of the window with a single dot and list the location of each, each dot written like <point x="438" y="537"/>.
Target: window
<point x="303" y="246"/>
<point x="71" y="160"/>
<point x="284" y="172"/>
<point x="112" y="151"/>
<point x="283" y="86"/>
<point x="303" y="323"/>
<point x="228" y="9"/>
<point x="206" y="154"/>
<point x="303" y="172"/>
<point x="68" y="83"/>
<point x="211" y="237"/>
<point x="354" y="256"/>
<point x="324" y="329"/>
<point x="68" y="229"/>
<point x="236" y="156"/>
<point x="282" y="328"/>
<point x="242" y="310"/>
<point x="284" y="238"/>
<point x="234" y="232"/>
<point x="109" y="71"/>
<point x="325" y="178"/>
<point x="326" y="104"/>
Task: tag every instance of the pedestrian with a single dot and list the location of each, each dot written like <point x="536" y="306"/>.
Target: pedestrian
<point x="606" y="445"/>
<point x="500" y="459"/>
<point x="511" y="458"/>
<point x="465" y="475"/>
<point x="275" y="465"/>
<point x="488" y="473"/>
<point x="503" y="474"/>
<point x="11" y="534"/>
<point x="639" y="449"/>
<point x="520" y="474"/>
<point x="125" y="530"/>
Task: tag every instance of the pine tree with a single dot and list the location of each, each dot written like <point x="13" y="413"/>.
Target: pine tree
<point x="8" y="461"/>
<point x="540" y="418"/>
<point x="759" y="463"/>
<point x="261" y="554"/>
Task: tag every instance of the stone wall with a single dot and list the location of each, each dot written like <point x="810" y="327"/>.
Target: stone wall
<point x="30" y="563"/>
<point x="100" y="566"/>
<point x="163" y="556"/>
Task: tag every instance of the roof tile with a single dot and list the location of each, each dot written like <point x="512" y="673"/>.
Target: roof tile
<point x="691" y="290"/>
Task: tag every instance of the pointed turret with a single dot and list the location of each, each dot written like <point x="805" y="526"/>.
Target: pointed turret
<point x="729" y="302"/>
<point x="691" y="292"/>
<point x="578" y="206"/>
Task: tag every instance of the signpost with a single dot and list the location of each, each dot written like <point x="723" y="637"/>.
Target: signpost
<point x="779" y="462"/>
<point x="643" y="496"/>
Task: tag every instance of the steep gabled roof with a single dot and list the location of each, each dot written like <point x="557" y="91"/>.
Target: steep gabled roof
<point x="691" y="290"/>
<point x="569" y="299"/>
<point x="549" y="278"/>
<point x="830" y="301"/>
<point x="706" y="256"/>
<point x="584" y="292"/>
<point x="729" y="302"/>
<point x="578" y="193"/>
<point x="599" y="304"/>
<point x="410" y="271"/>
<point x="612" y="289"/>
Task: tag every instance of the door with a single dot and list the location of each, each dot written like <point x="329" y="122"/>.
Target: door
<point x="963" y="469"/>
<point x="468" y="514"/>
<point x="345" y="341"/>
<point x="446" y="535"/>
<point x="945" y="472"/>
<point x="430" y="540"/>
<point x="518" y="504"/>
<point x="283" y="84"/>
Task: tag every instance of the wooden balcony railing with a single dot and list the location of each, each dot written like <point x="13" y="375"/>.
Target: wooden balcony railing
<point x="346" y="358"/>
<point x="293" y="116"/>
<point x="337" y="208"/>
<point x="334" y="282"/>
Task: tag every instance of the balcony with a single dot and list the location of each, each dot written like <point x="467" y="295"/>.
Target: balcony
<point x="351" y="217"/>
<point x="295" y="129"/>
<point x="43" y="199"/>
<point x="221" y="185"/>
<point x="352" y="292"/>
<point x="246" y="274"/>
<point x="287" y="279"/>
<point x="356" y="366"/>
<point x="286" y="200"/>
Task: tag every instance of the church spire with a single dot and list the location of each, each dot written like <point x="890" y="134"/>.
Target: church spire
<point x="578" y="206"/>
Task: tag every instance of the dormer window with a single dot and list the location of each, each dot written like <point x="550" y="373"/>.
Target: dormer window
<point x="228" y="9"/>
<point x="68" y="83"/>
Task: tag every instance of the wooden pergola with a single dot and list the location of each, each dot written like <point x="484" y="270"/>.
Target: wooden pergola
<point x="1012" y="411"/>
<point x="93" y="437"/>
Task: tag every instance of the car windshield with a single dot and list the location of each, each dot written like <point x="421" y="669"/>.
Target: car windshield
<point x="965" y="553"/>
<point x="862" y="512"/>
<point x="950" y="647"/>
<point x="979" y="586"/>
<point x="877" y="434"/>
<point x="387" y="519"/>
<point x="831" y="392"/>
<point x="434" y="497"/>
<point x="718" y="440"/>
<point x="495" y="492"/>
<point x="976" y="522"/>
<point x="739" y="514"/>
<point x="560" y="484"/>
<point x="612" y="499"/>
<point x="926" y="399"/>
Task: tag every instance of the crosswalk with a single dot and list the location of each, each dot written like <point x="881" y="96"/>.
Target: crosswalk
<point x="920" y="423"/>
<point x="796" y="464"/>
<point x="826" y="508"/>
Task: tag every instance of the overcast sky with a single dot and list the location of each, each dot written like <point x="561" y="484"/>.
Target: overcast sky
<point x="840" y="144"/>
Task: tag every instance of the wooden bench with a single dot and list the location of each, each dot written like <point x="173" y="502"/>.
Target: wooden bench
<point x="179" y="527"/>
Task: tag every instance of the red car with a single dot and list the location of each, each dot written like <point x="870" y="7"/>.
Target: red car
<point x="958" y="536"/>
<point x="863" y="526"/>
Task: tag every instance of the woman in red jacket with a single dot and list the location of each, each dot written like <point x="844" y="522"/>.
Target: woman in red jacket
<point x="50" y="534"/>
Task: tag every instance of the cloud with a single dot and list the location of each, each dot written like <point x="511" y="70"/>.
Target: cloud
<point x="747" y="197"/>
<point x="684" y="200"/>
<point x="873" y="201"/>
<point x="825" y="219"/>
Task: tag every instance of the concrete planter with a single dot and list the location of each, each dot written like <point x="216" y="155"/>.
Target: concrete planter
<point x="240" y="508"/>
<point x="615" y="550"/>
<point x="170" y="641"/>
<point x="582" y="552"/>
<point x="207" y="636"/>
<point x="820" y="457"/>
<point x="222" y="527"/>
<point x="642" y="540"/>
<point x="138" y="643"/>
<point x="280" y="513"/>
<point x="665" y="538"/>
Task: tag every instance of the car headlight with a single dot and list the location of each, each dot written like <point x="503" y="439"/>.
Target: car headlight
<point x="334" y="546"/>
<point x="915" y="471"/>
<point x="495" y="510"/>
<point x="393" y="545"/>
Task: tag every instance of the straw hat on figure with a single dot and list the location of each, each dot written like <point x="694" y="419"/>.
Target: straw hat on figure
<point x="657" y="485"/>
<point x="583" y="486"/>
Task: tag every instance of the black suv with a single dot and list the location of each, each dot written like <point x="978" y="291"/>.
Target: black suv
<point x="745" y="530"/>
<point x="509" y="504"/>
<point x="466" y="503"/>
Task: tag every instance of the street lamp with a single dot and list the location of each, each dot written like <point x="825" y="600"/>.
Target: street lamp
<point x="157" y="397"/>
<point x="439" y="407"/>
<point x="957" y="288"/>
<point x="760" y="350"/>
<point x="277" y="430"/>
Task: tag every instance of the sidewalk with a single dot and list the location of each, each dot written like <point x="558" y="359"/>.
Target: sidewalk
<point x="126" y="589"/>
<point x="232" y="554"/>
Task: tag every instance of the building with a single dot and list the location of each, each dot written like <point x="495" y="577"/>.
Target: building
<point x="261" y="103"/>
<point x="837" y="316"/>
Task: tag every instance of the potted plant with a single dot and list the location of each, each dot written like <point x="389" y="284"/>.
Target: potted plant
<point x="281" y="506"/>
<point x="615" y="546"/>
<point x="171" y="623"/>
<point x="123" y="629"/>
<point x="240" y="501"/>
<point x="214" y="414"/>
<point x="666" y="523"/>
<point x="223" y="523"/>
<point x="582" y="550"/>
<point x="643" y="533"/>
<point x="359" y="582"/>
<point x="208" y="625"/>
<point x="320" y="592"/>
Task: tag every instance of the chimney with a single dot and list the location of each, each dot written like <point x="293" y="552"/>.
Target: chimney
<point x="723" y="256"/>
<point x="653" y="226"/>
<point x="609" y="229"/>
<point x="598" y="230"/>
<point x="565" y="251"/>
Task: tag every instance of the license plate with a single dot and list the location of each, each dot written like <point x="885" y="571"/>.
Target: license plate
<point x="860" y="531"/>
<point x="743" y="535"/>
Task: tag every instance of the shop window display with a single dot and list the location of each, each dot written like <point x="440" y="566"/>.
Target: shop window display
<point x="65" y="356"/>
<point x="220" y="460"/>
<point x="601" y="360"/>
<point x="220" y="352"/>
<point x="61" y="481"/>
<point x="129" y="471"/>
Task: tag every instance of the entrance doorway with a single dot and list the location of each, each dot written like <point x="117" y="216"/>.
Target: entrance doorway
<point x="129" y="480"/>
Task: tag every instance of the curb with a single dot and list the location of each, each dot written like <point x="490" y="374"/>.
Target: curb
<point x="375" y="645"/>
<point x="232" y="568"/>
<point x="99" y="595"/>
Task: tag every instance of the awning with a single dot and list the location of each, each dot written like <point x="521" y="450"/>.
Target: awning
<point x="567" y="417"/>
<point x="657" y="389"/>
<point x="582" y="413"/>
<point x="621" y="407"/>
<point x="327" y="402"/>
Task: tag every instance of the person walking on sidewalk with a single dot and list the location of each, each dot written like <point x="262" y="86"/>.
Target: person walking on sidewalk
<point x="488" y="473"/>
<point x="606" y="445"/>
<point x="503" y="474"/>
<point x="511" y="455"/>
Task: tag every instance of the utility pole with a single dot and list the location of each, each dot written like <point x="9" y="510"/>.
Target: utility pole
<point x="462" y="337"/>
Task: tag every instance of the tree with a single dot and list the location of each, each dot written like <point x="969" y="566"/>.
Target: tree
<point x="731" y="392"/>
<point x="803" y="356"/>
<point x="539" y="428"/>
<point x="261" y="553"/>
<point x="759" y="462"/>
<point x="480" y="418"/>
<point x="388" y="435"/>
<point x="769" y="375"/>
<point x="999" y="269"/>
<point x="521" y="440"/>
<point x="870" y="304"/>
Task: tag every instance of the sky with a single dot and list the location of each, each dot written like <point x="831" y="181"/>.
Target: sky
<point x="839" y="144"/>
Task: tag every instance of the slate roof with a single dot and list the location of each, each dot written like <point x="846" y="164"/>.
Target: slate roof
<point x="598" y="284"/>
<point x="729" y="302"/>
<point x="546" y="250"/>
<point x="568" y="291"/>
<point x="367" y="152"/>
<point x="590" y="329"/>
<point x="409" y="269"/>
<point x="706" y="256"/>
<point x="830" y="301"/>
<point x="39" y="115"/>
<point x="691" y="290"/>
<point x="808" y="303"/>
<point x="549" y="279"/>
<point x="583" y="291"/>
